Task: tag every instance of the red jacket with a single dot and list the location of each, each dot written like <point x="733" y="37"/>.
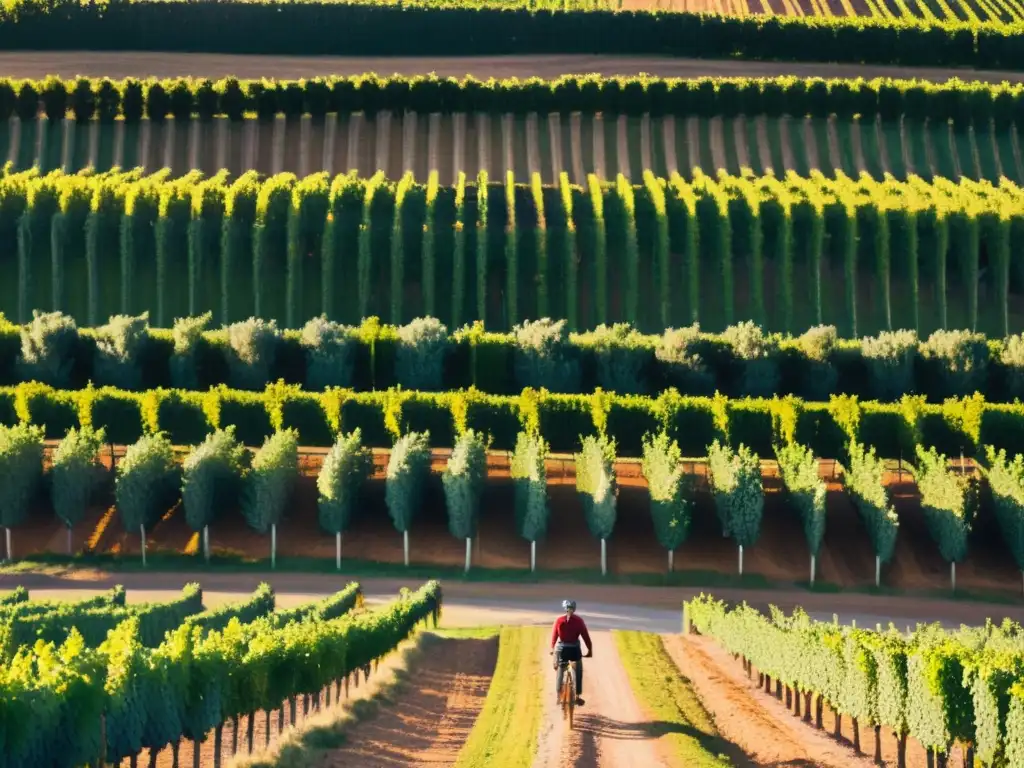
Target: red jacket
<point x="569" y="630"/>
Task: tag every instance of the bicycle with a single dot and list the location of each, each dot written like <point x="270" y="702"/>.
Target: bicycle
<point x="567" y="695"/>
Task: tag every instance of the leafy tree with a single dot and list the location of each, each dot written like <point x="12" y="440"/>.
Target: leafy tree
<point x="890" y="362"/>
<point x="146" y="484"/>
<point x="76" y="475"/>
<point x="738" y="493"/>
<point x="544" y="357"/>
<point x="670" y="490"/>
<point x="120" y="345"/>
<point x="330" y="353"/>
<point x="530" y="486"/>
<point x="341" y="478"/>
<point x="597" y="488"/>
<point x="756" y="355"/>
<point x="251" y="351"/>
<point x="806" y="492"/>
<point x="864" y="481"/>
<point x="408" y="470"/>
<point x="211" y="481"/>
<point x="187" y="335"/>
<point x="420" y="355"/>
<point x="269" y="485"/>
<point x="622" y="355"/>
<point x="1006" y="481"/>
<point x="48" y="346"/>
<point x="463" y="482"/>
<point x="949" y="501"/>
<point x="21" y="470"/>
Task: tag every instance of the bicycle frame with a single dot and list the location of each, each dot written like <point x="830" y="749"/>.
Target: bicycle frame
<point x="568" y="692"/>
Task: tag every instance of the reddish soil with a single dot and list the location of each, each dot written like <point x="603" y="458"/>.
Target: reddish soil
<point x="781" y="554"/>
<point x="768" y="737"/>
<point x="432" y="718"/>
<point x="765" y="727"/>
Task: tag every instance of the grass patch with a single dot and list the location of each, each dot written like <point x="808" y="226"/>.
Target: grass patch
<point x="661" y="690"/>
<point x="308" y="744"/>
<point x="505" y="733"/>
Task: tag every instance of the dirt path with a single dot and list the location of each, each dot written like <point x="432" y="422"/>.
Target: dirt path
<point x="21" y="64"/>
<point x="431" y="719"/>
<point x="609" y="730"/>
<point x="653" y="609"/>
<point x="759" y="725"/>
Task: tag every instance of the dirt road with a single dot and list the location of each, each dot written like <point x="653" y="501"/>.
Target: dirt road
<point x="609" y="729"/>
<point x="133" y="64"/>
<point x="611" y="606"/>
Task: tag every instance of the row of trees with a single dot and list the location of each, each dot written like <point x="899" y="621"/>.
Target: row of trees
<point x="743" y="361"/>
<point x="220" y="474"/>
<point x="505" y="252"/>
<point x="132" y="99"/>
<point x="71" y="704"/>
<point x="940" y="687"/>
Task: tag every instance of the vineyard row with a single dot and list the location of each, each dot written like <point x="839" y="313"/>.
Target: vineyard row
<point x="372" y="28"/>
<point x="940" y="687"/>
<point x="183" y="99"/>
<point x="70" y="706"/>
<point x="789" y="253"/>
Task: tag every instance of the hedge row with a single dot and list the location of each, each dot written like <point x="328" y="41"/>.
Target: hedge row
<point x="788" y="254"/>
<point x="404" y="29"/>
<point x="93" y="623"/>
<point x="941" y="687"/>
<point x="892" y="429"/>
<point x="133" y="99"/>
<point x="742" y="362"/>
<point x="103" y="704"/>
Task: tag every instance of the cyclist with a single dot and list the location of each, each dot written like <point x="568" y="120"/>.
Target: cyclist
<point x="565" y="638"/>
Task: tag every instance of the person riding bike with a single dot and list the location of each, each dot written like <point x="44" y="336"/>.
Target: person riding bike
<point x="565" y="638"/>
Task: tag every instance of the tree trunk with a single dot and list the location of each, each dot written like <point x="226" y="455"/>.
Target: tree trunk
<point x="856" y="735"/>
<point x="942" y="759"/>
<point x="807" y="706"/>
<point x="142" y="530"/>
<point x="604" y="557"/>
<point x="901" y="750"/>
<point x="405" y="547"/>
<point x="533" y="556"/>
<point x="206" y="543"/>
<point x="273" y="545"/>
<point x="760" y="679"/>
<point x="338" y="558"/>
<point x="671" y="561"/>
<point x="878" y="744"/>
<point x="251" y="731"/>
<point x="839" y="725"/>
<point x="280" y="719"/>
<point x="217" y="732"/>
<point x="305" y="705"/>
<point x="197" y="752"/>
<point x="741" y="559"/>
<point x="133" y="761"/>
<point x="70" y="552"/>
<point x="796" y="703"/>
<point x="327" y="696"/>
<point x="789" y="697"/>
<point x="175" y="750"/>
<point x="469" y="552"/>
<point x="778" y="689"/>
<point x="153" y="755"/>
<point x="969" y="757"/>
<point x="291" y="709"/>
<point x="234" y="736"/>
<point x="818" y="713"/>
<point x="266" y="727"/>
<point x="930" y="756"/>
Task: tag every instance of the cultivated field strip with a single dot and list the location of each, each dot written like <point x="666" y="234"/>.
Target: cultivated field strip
<point x="576" y="143"/>
<point x="929" y="11"/>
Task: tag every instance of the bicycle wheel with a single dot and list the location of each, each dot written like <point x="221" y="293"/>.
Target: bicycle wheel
<point x="570" y="695"/>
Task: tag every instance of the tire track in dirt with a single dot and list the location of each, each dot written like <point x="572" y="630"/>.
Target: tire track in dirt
<point x="432" y="717"/>
<point x="768" y="733"/>
<point x="609" y="730"/>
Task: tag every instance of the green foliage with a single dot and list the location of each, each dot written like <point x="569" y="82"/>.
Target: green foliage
<point x="333" y="607"/>
<point x="670" y="489"/>
<point x="147" y="482"/>
<point x="330" y="353"/>
<point x="212" y="476"/>
<point x="958" y="360"/>
<point x="345" y="469"/>
<point x="755" y="353"/>
<point x="530" y="485"/>
<point x="544" y="358"/>
<point x="120" y="345"/>
<point x="252" y="348"/>
<point x="890" y="361"/>
<point x="269" y="484"/>
<point x="17" y="595"/>
<point x="678" y="351"/>
<point x="806" y="491"/>
<point x="1006" y="481"/>
<point x="736" y="487"/>
<point x="48" y="347"/>
<point x="622" y="355"/>
<point x="463" y="481"/>
<point x="864" y="480"/>
<point x="420" y="356"/>
<point x="408" y="471"/>
<point x="596" y="485"/>
<point x="187" y="336"/>
<point x="260" y="603"/>
<point x="949" y="501"/>
<point x="21" y="470"/>
<point x="77" y="473"/>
